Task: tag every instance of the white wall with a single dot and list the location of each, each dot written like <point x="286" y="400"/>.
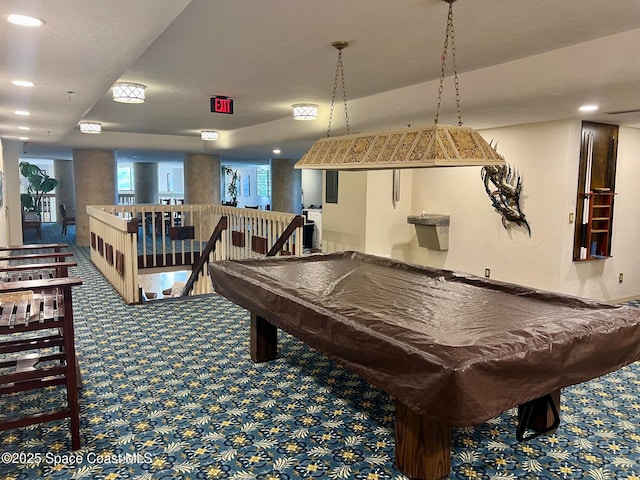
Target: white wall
<point x="312" y="187"/>
<point x="387" y="232"/>
<point x="477" y="238"/>
<point x="599" y="278"/>
<point x="547" y="157"/>
<point x="252" y="199"/>
<point x="365" y="217"/>
<point x="344" y="223"/>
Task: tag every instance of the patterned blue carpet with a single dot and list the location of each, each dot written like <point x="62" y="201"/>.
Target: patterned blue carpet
<point x="170" y="392"/>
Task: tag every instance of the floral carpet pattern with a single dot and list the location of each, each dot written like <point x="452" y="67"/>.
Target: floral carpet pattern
<point x="169" y="391"/>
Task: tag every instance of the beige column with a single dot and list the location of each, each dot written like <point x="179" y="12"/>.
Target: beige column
<point x="145" y="182"/>
<point x="95" y="174"/>
<point x="11" y="210"/>
<point x="65" y="191"/>
<point x="201" y="178"/>
<point x="286" y="186"/>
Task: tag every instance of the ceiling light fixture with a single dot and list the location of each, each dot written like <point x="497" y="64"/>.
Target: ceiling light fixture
<point x="90" y="127"/>
<point x="588" y="108"/>
<point x="431" y="146"/>
<point x="22" y="112"/>
<point x="277" y="151"/>
<point x="23" y="83"/>
<point x="24" y="138"/>
<point x="125" y="92"/>
<point x="24" y="128"/>
<point x="305" y="111"/>
<point x="209" y="135"/>
<point x="25" y="20"/>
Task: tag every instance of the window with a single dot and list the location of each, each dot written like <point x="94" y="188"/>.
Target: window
<point x="125" y="178"/>
<point x="331" y="188"/>
<point x="263" y="178"/>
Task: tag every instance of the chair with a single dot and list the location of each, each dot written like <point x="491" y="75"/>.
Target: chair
<point x="31" y="220"/>
<point x="65" y="220"/>
<point x="28" y="361"/>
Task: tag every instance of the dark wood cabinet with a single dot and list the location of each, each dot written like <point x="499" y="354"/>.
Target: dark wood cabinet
<point x="596" y="191"/>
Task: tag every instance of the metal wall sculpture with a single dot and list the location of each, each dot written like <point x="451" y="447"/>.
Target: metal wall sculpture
<point x="503" y="184"/>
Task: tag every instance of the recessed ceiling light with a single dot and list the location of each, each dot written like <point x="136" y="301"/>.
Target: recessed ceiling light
<point x="25" y="20"/>
<point x="24" y="128"/>
<point x="277" y="151"/>
<point x="23" y="83"/>
<point x="22" y="112"/>
<point x="24" y="138"/>
<point x="588" y="108"/>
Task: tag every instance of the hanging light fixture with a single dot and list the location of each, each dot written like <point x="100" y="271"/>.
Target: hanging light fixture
<point x="209" y="135"/>
<point x="431" y="146"/>
<point x="128" y="92"/>
<point x="90" y="127"/>
<point x="305" y="111"/>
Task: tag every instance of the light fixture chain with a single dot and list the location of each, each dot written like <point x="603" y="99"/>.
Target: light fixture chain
<point x="333" y="101"/>
<point x="333" y="95"/>
<point x="339" y="71"/>
<point x="344" y="93"/>
<point x="449" y="33"/>
<point x="455" y="65"/>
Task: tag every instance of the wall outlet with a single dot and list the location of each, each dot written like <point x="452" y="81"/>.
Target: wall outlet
<point x="571" y="217"/>
<point x="487" y="272"/>
<point x="620" y="278"/>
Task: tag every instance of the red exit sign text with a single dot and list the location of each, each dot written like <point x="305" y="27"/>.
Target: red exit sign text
<point x="220" y="104"/>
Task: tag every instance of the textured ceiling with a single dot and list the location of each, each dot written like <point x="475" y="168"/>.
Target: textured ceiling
<point x="519" y="62"/>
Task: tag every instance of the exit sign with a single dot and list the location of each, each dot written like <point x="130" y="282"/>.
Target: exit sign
<point x="220" y="104"/>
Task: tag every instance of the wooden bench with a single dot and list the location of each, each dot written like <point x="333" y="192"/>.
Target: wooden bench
<point x="29" y="306"/>
<point x="35" y="251"/>
<point x="57" y="247"/>
<point x="35" y="271"/>
<point x="59" y="256"/>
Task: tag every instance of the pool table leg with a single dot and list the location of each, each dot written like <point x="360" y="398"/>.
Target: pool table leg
<point x="423" y="447"/>
<point x="264" y="340"/>
<point x="542" y="417"/>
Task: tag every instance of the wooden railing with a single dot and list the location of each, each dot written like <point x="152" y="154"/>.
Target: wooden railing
<point x="171" y="236"/>
<point x="282" y="243"/>
<point x="167" y="198"/>
<point x="252" y="233"/>
<point x="114" y="247"/>
<point x="126" y="198"/>
<point x="199" y="271"/>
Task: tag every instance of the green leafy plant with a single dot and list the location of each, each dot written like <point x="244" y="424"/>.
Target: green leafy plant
<point x="39" y="184"/>
<point x="232" y="187"/>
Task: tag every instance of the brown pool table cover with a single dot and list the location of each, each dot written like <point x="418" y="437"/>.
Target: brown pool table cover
<point x="457" y="348"/>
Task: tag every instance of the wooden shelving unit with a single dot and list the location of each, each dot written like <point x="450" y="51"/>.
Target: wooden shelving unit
<point x="599" y="225"/>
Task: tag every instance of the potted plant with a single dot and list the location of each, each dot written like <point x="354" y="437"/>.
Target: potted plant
<point x="232" y="187"/>
<point x="39" y="184"/>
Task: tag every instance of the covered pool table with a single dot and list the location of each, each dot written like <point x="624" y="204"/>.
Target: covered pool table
<point x="452" y="349"/>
